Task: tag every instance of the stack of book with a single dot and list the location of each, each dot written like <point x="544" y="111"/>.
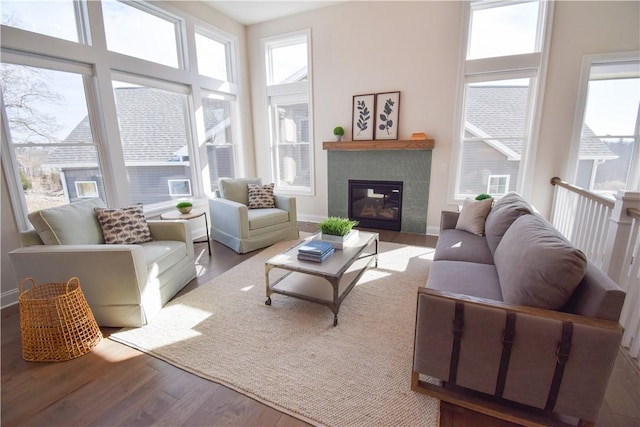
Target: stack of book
<point x="315" y="250"/>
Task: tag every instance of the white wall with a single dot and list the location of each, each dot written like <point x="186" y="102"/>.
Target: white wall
<point x="370" y="47"/>
<point x="367" y="47"/>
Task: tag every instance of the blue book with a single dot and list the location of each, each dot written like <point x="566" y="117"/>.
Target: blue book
<point x="316" y="247"/>
<point x="316" y="258"/>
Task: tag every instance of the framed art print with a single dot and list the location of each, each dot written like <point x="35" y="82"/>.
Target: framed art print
<point x="387" y="114"/>
<point x="363" y="119"/>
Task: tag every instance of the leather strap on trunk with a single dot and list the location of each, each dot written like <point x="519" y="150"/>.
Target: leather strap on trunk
<point x="507" y="342"/>
<point x="564" y="347"/>
<point x="458" y="326"/>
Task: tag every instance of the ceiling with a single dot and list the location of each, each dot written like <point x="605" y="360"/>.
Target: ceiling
<point x="253" y="12"/>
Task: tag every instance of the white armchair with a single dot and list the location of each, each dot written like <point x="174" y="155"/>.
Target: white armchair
<point x="243" y="229"/>
<point x="124" y="284"/>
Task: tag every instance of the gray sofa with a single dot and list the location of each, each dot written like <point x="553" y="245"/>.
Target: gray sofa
<point x="514" y="320"/>
<point x="124" y="284"/>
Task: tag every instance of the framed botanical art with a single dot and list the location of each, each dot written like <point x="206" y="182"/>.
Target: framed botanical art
<point x="387" y="114"/>
<point x="363" y="119"/>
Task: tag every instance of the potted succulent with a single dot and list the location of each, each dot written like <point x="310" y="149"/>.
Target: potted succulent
<point x="338" y="131"/>
<point x="184" y="207"/>
<point x="338" y="230"/>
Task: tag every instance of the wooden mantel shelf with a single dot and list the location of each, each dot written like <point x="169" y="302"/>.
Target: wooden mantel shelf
<point x="395" y="144"/>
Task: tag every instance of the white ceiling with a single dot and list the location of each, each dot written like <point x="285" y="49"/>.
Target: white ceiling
<point x="253" y="12"/>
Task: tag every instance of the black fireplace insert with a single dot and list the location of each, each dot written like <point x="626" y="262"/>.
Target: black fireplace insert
<point x="376" y="204"/>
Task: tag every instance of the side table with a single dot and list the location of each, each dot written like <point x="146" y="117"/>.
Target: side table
<point x="195" y="213"/>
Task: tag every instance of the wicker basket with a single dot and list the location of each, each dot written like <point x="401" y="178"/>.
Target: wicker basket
<point x="56" y="322"/>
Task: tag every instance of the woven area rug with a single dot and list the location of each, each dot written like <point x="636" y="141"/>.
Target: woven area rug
<point x="289" y="355"/>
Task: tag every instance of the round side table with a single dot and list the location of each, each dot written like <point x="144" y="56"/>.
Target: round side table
<point x="195" y="213"/>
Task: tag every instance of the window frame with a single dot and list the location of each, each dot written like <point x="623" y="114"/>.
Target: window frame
<point x="291" y="92"/>
<point x="528" y="65"/>
<point x="506" y="185"/>
<point x="588" y="61"/>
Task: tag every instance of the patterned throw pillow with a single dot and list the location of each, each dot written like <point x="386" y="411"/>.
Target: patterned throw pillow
<point x="261" y="196"/>
<point x="124" y="226"/>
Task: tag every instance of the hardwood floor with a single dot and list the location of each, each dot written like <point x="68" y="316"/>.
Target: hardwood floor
<point x="115" y="385"/>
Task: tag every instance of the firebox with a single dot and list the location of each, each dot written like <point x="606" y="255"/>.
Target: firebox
<point x="376" y="204"/>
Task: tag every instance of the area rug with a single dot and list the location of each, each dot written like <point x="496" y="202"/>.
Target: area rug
<point x="290" y="356"/>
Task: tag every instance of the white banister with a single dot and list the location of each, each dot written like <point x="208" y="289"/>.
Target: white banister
<point x="607" y="232"/>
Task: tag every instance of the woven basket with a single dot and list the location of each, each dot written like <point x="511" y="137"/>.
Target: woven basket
<point x="56" y="322"/>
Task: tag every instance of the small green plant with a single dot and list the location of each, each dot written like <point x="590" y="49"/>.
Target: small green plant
<point x="184" y="205"/>
<point x="338" y="131"/>
<point x="483" y="196"/>
<point x="337" y="226"/>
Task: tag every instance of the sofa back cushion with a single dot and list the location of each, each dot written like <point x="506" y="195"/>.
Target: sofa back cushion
<point x="505" y="211"/>
<point x="536" y="266"/>
<point x="237" y="189"/>
<point x="72" y="224"/>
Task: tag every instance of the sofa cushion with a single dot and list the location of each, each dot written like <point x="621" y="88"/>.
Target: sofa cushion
<point x="261" y="196"/>
<point x="467" y="278"/>
<point x="536" y="265"/>
<point x="124" y="226"/>
<point x="237" y="189"/>
<point x="259" y="218"/>
<point x="473" y="216"/>
<point x="504" y="212"/>
<point x="458" y="245"/>
<point x="72" y="224"/>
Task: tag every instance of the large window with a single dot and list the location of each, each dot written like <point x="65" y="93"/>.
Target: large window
<point x="127" y="121"/>
<point x="288" y="81"/>
<point x="607" y="126"/>
<point x="51" y="134"/>
<point x="504" y="56"/>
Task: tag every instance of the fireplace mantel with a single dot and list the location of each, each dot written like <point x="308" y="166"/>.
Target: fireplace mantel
<point x="394" y="144"/>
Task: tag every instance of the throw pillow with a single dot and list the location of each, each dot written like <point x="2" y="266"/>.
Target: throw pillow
<point x="473" y="215"/>
<point x="124" y="226"/>
<point x="261" y="196"/>
<point x="72" y="224"/>
<point x="505" y="211"/>
<point x="536" y="266"/>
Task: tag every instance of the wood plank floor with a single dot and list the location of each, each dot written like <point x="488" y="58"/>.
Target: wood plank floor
<point x="115" y="385"/>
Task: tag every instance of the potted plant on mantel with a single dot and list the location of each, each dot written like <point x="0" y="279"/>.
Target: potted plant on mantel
<point x="338" y="131"/>
<point x="338" y="230"/>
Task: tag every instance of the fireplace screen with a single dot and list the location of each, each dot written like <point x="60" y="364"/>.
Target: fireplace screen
<point x="376" y="204"/>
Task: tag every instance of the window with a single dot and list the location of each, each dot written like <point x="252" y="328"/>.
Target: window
<point x="50" y="134"/>
<point x="55" y="19"/>
<point x="498" y="185"/>
<point x="607" y="121"/>
<point x="218" y="112"/>
<point x="499" y="91"/>
<point x="212" y="56"/>
<point x="288" y="82"/>
<point x="158" y="42"/>
<point x="154" y="130"/>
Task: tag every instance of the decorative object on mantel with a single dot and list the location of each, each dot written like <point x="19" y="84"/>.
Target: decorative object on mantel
<point x="363" y="120"/>
<point x="338" y="131"/>
<point x="184" y="207"/>
<point x="387" y="115"/>
<point x="418" y="136"/>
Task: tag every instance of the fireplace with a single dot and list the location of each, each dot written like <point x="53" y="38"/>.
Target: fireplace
<point x="376" y="204"/>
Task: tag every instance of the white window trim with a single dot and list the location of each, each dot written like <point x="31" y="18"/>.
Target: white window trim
<point x="514" y="66"/>
<point x="571" y="168"/>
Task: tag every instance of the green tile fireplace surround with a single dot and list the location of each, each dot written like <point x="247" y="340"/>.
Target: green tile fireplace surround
<point x="412" y="167"/>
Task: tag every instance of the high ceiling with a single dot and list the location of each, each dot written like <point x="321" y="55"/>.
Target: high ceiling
<point x="253" y="12"/>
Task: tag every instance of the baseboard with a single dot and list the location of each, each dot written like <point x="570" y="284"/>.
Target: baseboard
<point x="9" y="298"/>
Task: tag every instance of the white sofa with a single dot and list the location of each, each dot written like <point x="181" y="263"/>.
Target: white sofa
<point x="125" y="285"/>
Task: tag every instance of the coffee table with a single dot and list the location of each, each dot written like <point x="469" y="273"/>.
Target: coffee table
<point x="327" y="282"/>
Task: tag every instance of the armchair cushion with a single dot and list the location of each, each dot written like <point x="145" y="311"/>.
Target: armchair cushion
<point x="237" y="189"/>
<point x="261" y="196"/>
<point x="72" y="224"/>
<point x="124" y="226"/>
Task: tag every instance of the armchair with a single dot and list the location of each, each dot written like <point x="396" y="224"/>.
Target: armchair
<point x="243" y="229"/>
<point x="125" y="285"/>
